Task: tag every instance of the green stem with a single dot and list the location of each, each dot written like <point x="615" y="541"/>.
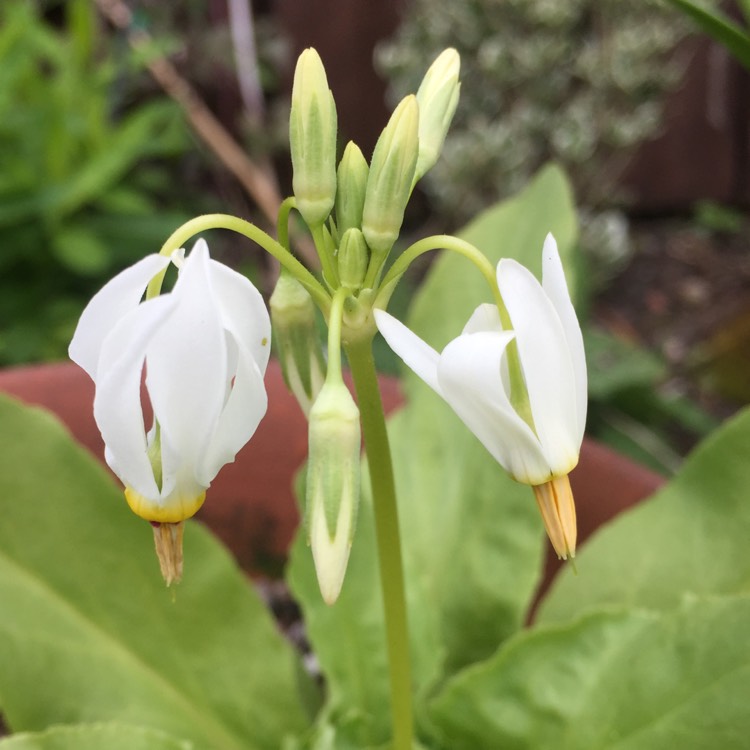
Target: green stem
<point x="453" y="244"/>
<point x="334" y="335"/>
<point x="282" y="221"/>
<point x="330" y="272"/>
<point x="362" y="364"/>
<point x="179" y="237"/>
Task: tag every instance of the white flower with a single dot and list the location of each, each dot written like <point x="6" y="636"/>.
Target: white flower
<point x="471" y="374"/>
<point x="204" y="349"/>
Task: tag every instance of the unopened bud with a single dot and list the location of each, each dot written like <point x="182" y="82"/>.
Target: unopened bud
<point x="390" y="180"/>
<point x="332" y="492"/>
<point x="298" y="345"/>
<point x="312" y="137"/>
<point x="353" y="259"/>
<point x="437" y="98"/>
<point x="350" y="193"/>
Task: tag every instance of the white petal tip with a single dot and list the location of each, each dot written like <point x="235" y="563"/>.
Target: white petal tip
<point x="550" y="245"/>
<point x="330" y="567"/>
<point x="331" y="553"/>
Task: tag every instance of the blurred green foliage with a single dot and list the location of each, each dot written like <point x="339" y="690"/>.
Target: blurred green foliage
<point x="632" y="407"/>
<point x="85" y="187"/>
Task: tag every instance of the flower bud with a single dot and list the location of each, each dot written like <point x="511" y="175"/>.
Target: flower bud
<point x="353" y="259"/>
<point x="352" y="183"/>
<point x="299" y="351"/>
<point x="390" y="180"/>
<point x="332" y="491"/>
<point x="312" y="137"/>
<point x="437" y="98"/>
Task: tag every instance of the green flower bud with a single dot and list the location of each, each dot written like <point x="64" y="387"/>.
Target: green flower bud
<point x="352" y="183"/>
<point x="437" y="98"/>
<point x="332" y="492"/>
<point x="298" y="345"/>
<point x="353" y="259"/>
<point x="390" y="180"/>
<point x="312" y="137"/>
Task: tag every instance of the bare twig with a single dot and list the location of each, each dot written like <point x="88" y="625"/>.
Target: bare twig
<point x="258" y="182"/>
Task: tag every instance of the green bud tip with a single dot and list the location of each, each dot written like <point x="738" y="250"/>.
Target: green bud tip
<point x="437" y="98"/>
<point x="353" y="258"/>
<point x="391" y="174"/>
<point x="312" y="138"/>
<point x="352" y="183"/>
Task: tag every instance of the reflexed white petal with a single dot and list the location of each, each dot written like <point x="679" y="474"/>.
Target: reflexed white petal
<point x="239" y="419"/>
<point x="243" y="311"/>
<point x="107" y="306"/>
<point x="117" y="403"/>
<point x="556" y="288"/>
<point x="469" y="375"/>
<point x="417" y="354"/>
<point x="186" y="371"/>
<point x="546" y="363"/>
<point x="485" y="318"/>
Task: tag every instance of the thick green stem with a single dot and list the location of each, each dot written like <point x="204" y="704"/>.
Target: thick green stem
<point x="334" y="335"/>
<point x="223" y="221"/>
<point x="282" y="222"/>
<point x="388" y="539"/>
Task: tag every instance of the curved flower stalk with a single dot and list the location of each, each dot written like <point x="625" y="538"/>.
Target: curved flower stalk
<point x="472" y="374"/>
<point x="204" y="348"/>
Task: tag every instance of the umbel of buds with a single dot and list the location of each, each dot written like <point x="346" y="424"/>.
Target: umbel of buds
<point x="354" y="214"/>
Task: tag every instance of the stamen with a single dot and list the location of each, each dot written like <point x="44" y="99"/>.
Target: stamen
<point x="555" y="501"/>
<point x="168" y="543"/>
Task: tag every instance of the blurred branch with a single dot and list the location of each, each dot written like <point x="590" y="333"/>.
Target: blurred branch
<point x="258" y="182"/>
<point x="246" y="59"/>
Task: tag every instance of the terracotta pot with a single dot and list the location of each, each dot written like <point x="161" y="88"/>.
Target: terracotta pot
<point x="252" y="507"/>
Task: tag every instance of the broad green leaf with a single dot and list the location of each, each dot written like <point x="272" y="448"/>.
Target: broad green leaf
<point x="720" y="27"/>
<point x="95" y="737"/>
<point x="471" y="538"/>
<point x="621" y="680"/>
<point x="88" y="632"/>
<point x="692" y="536"/>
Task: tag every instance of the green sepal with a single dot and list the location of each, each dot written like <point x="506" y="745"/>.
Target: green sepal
<point x="352" y="183"/>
